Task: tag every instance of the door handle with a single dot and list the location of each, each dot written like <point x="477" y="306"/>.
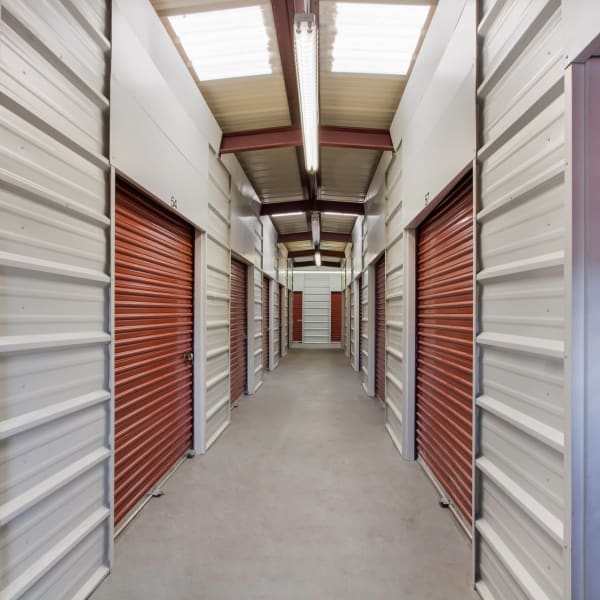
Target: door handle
<point x="188" y="356"/>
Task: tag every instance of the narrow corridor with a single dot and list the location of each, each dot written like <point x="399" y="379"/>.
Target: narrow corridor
<point x="304" y="497"/>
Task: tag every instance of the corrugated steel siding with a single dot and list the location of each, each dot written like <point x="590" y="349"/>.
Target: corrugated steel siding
<point x="336" y="317"/>
<point x="380" y="328"/>
<point x="284" y="321"/>
<point x="520" y="537"/>
<point x="363" y="364"/>
<point x="444" y="377"/>
<point x="154" y="323"/>
<point x="258" y="334"/>
<point x="297" y="317"/>
<point x="218" y="259"/>
<point x="347" y="320"/>
<point x="239" y="329"/>
<point x="265" y="323"/>
<point x="54" y="276"/>
<point x="276" y="323"/>
<point x="394" y="393"/>
<point x="315" y="310"/>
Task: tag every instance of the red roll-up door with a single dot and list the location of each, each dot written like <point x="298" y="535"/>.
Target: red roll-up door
<point x="153" y="332"/>
<point x="336" y="316"/>
<point x="380" y="328"/>
<point x="265" y="322"/>
<point x="239" y="328"/>
<point x="297" y="314"/>
<point x="445" y="344"/>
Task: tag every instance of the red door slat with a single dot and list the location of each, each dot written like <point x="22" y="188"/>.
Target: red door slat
<point x="336" y="316"/>
<point x="445" y="344"/>
<point x="238" y="330"/>
<point x="153" y="329"/>
<point x="297" y="315"/>
<point x="380" y="328"/>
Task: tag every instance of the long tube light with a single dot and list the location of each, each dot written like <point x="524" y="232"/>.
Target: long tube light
<point x="315" y="225"/>
<point x="305" y="50"/>
<point x="318" y="258"/>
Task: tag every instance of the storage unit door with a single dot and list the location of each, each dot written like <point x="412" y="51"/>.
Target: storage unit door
<point x="297" y="314"/>
<point x="239" y="329"/>
<point x="265" y="322"/>
<point x="445" y="345"/>
<point x="336" y="316"/>
<point x="153" y="334"/>
<point x="380" y="328"/>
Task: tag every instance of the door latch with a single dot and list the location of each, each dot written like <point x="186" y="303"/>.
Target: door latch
<point x="188" y="356"/>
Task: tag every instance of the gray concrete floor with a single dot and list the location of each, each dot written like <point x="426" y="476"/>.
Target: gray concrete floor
<point x="304" y="497"/>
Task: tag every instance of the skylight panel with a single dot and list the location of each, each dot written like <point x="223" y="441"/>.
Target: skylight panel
<point x="224" y="44"/>
<point x="377" y="39"/>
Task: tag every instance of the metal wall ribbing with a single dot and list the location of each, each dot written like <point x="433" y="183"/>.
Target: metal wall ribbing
<point x="55" y="427"/>
<point x="218" y="255"/>
<point x="521" y="479"/>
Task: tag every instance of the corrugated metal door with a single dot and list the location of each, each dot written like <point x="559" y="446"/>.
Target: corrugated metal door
<point x="239" y="329"/>
<point x="336" y="316"/>
<point x="445" y="344"/>
<point x="380" y="328"/>
<point x="297" y="314"/>
<point x="276" y="324"/>
<point x="153" y="333"/>
<point x="265" y="323"/>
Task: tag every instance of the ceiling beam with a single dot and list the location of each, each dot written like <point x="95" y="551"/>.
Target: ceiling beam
<point x="280" y="208"/>
<point x="303" y="253"/>
<point x="288" y="137"/>
<point x="353" y="137"/>
<point x="324" y="263"/>
<point x="306" y="236"/>
<point x="261" y="139"/>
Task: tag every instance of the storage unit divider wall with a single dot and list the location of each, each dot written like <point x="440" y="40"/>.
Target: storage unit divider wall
<point x="364" y="329"/>
<point x="347" y="319"/>
<point x="522" y="544"/>
<point x="239" y="329"/>
<point x="394" y="309"/>
<point x="276" y="324"/>
<point x="55" y="426"/>
<point x="284" y="316"/>
<point x="218" y="254"/>
<point x="266" y="314"/>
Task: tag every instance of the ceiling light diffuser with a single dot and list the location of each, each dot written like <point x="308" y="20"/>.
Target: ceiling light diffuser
<point x="377" y="38"/>
<point x="305" y="50"/>
<point x="318" y="259"/>
<point x="223" y="44"/>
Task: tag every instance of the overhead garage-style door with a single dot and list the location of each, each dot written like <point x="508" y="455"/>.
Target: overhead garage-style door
<point x="265" y="322"/>
<point x="239" y="329"/>
<point x="380" y="328"/>
<point x="153" y="345"/>
<point x="297" y="317"/>
<point x="445" y="345"/>
<point x="336" y="317"/>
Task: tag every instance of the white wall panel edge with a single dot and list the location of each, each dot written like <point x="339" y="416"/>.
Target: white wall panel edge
<point x="199" y="384"/>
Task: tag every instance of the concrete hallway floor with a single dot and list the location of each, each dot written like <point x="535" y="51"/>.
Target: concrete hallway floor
<point x="304" y="497"/>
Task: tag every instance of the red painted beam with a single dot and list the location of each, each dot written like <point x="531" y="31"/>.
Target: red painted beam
<point x="352" y="137"/>
<point x="306" y="236"/>
<point x="261" y="139"/>
<point x="279" y="208"/>
<point x="287" y="137"/>
<point x="324" y="263"/>
<point x="303" y="253"/>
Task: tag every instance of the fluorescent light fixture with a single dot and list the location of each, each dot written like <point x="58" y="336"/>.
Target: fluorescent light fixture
<point x="305" y="50"/>
<point x="318" y="258"/>
<point x="223" y="44"/>
<point x="315" y="226"/>
<point x="377" y="39"/>
<point x="289" y="214"/>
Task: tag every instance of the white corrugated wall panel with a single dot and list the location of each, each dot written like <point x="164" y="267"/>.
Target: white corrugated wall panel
<point x="394" y="309"/>
<point x="218" y="261"/>
<point x="276" y="324"/>
<point x="347" y="320"/>
<point x="285" y="320"/>
<point x="520" y="466"/>
<point x="316" y="301"/>
<point x="364" y="329"/>
<point x="258" y="345"/>
<point x="55" y="426"/>
<point x="353" y="332"/>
